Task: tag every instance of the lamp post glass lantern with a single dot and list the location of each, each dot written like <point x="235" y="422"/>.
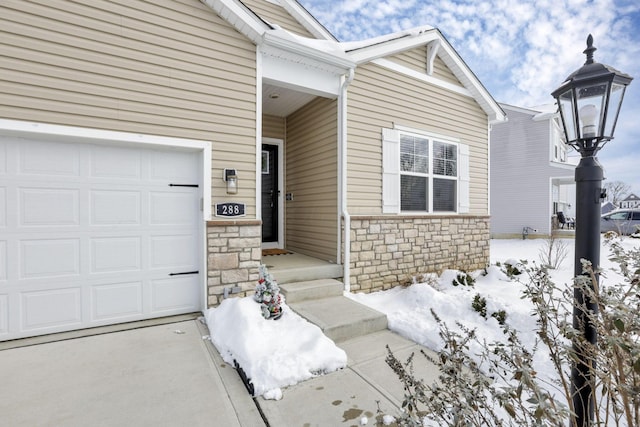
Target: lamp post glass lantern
<point x="589" y="102"/>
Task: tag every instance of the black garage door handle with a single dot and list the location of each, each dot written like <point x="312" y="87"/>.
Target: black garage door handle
<point x="184" y="273"/>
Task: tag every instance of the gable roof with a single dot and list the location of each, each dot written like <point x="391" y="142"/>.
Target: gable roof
<point x="306" y="19"/>
<point x="537" y="113"/>
<point x="262" y="33"/>
<point x="350" y="54"/>
<point x="631" y="198"/>
<point x="380" y="47"/>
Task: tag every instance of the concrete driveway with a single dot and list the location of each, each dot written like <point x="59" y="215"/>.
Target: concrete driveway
<point x="163" y="375"/>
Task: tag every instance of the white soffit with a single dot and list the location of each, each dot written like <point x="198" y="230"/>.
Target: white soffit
<point x="282" y="101"/>
<point x="300" y="63"/>
<point x="291" y="72"/>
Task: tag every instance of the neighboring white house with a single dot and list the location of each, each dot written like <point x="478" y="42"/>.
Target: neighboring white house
<point x="631" y="201"/>
<point x="532" y="176"/>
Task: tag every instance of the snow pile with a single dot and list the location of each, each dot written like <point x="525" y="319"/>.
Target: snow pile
<point x="408" y="309"/>
<point x="272" y="353"/>
<point x="411" y="32"/>
<point x="279" y="353"/>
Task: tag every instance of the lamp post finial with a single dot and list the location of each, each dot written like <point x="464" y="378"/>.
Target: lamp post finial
<point x="589" y="50"/>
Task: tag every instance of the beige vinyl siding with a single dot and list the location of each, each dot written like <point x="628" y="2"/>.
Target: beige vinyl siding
<point x="416" y="59"/>
<point x="377" y="99"/>
<point x="276" y="14"/>
<point x="311" y="176"/>
<point x="273" y="127"/>
<point x="171" y="68"/>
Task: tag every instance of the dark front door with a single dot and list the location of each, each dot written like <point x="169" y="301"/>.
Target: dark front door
<point x="270" y="192"/>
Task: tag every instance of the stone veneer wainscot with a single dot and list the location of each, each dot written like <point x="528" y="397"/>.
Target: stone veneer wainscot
<point x="233" y="257"/>
<point x="389" y="251"/>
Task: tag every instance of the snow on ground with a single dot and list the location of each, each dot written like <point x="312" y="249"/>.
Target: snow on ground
<point x="283" y="352"/>
<point x="273" y="353"/>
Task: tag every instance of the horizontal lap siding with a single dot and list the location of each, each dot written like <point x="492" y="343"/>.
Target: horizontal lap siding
<point x="416" y="59"/>
<point x="521" y="175"/>
<point x="312" y="170"/>
<point x="170" y="68"/>
<point x="275" y="14"/>
<point x="273" y="127"/>
<point x="379" y="98"/>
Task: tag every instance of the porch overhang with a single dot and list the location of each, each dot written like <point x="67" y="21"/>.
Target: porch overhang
<point x="306" y="65"/>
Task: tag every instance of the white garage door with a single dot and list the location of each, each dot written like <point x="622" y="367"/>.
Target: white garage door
<point x="96" y="234"/>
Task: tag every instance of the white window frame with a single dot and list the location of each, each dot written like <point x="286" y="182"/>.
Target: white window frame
<point x="392" y="171"/>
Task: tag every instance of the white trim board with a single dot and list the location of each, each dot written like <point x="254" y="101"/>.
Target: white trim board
<point x="422" y="77"/>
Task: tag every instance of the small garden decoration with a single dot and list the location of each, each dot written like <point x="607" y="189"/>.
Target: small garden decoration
<point x="268" y="295"/>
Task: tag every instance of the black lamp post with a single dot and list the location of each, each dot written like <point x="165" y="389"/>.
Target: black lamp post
<point x="589" y="102"/>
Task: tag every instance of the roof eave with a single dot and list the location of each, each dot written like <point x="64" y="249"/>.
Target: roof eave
<point x="276" y="39"/>
<point x="306" y="19"/>
<point x="471" y="82"/>
<point x="240" y="17"/>
<point x="260" y="33"/>
<point x="403" y="42"/>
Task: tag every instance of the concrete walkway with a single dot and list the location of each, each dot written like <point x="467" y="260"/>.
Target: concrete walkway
<point x="168" y="375"/>
<point x="154" y="376"/>
<point x="342" y="398"/>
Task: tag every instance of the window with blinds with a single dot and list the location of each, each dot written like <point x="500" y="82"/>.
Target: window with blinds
<point x="428" y="174"/>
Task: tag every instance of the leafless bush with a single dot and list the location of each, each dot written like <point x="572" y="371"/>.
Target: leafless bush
<point x="554" y="252"/>
<point x="503" y="388"/>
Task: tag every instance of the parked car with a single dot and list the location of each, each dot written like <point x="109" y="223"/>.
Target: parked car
<point x="622" y="221"/>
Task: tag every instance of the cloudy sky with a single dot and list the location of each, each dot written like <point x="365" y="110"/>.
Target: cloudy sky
<point x="521" y="50"/>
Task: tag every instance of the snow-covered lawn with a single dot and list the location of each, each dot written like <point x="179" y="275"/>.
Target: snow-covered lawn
<point x="280" y="353"/>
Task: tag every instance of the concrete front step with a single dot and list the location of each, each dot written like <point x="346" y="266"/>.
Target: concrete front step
<point x="293" y="274"/>
<point x="312" y="289"/>
<point x="340" y="318"/>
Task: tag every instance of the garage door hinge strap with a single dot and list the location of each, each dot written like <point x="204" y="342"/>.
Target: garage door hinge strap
<point x="184" y="273"/>
<point x="184" y="185"/>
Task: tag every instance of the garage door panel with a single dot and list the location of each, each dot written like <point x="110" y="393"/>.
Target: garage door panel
<point x="171" y="208"/>
<point x="3" y="158"/>
<point x="51" y="309"/>
<point x="3" y="207"/>
<point x="115" y="207"/>
<point x="115" y="254"/>
<point x="175" y="251"/>
<point x="117" y="300"/>
<point x="173" y="166"/>
<point x="43" y="158"/>
<point x="48" y="206"/>
<point x="115" y="162"/>
<point x="175" y="294"/>
<point x="49" y="258"/>
<point x="4" y="262"/>
<point x="4" y="314"/>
